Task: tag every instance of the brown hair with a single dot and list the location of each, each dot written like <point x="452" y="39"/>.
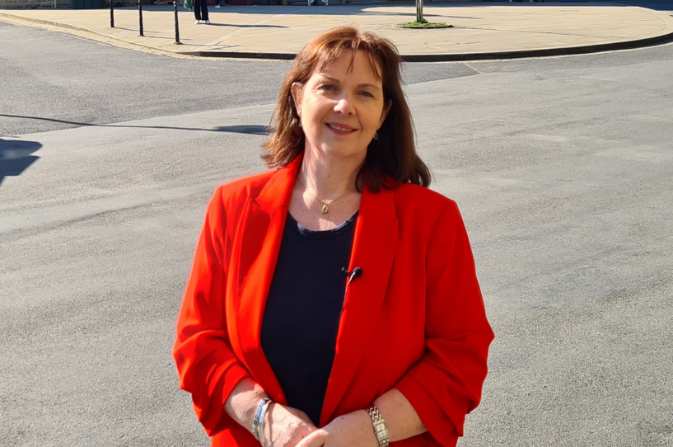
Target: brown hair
<point x="391" y="158"/>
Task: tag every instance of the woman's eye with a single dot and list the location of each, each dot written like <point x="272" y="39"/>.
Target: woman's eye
<point x="367" y="94"/>
<point x="327" y="87"/>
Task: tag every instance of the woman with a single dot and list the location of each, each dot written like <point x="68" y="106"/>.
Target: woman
<point x="333" y="301"/>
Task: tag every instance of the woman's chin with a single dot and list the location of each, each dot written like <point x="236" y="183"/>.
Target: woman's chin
<point x="342" y="150"/>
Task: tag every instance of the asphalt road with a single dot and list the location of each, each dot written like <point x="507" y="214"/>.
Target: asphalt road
<point x="562" y="168"/>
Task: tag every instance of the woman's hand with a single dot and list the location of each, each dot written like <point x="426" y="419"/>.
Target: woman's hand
<point x="285" y="426"/>
<point x="350" y="430"/>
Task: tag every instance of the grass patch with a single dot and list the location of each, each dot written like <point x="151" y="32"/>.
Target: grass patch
<point x="425" y="25"/>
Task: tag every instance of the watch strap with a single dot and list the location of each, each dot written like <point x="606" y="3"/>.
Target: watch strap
<point x="379" y="426"/>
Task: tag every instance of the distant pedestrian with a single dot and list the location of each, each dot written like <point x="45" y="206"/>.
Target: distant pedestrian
<point x="201" y="11"/>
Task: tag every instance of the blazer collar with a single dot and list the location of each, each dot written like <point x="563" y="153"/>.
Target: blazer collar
<point x="374" y="245"/>
<point x="275" y="196"/>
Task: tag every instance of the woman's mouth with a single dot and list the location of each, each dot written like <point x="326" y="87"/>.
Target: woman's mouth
<point x="341" y="129"/>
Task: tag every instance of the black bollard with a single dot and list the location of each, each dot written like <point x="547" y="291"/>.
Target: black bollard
<point x="140" y="16"/>
<point x="419" y="11"/>
<point x="112" y="14"/>
<point x="177" y="28"/>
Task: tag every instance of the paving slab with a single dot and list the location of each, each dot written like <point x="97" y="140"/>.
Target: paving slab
<point x="281" y="31"/>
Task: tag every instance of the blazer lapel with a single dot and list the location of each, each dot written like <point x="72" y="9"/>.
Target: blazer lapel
<point x="256" y="253"/>
<point x="374" y="245"/>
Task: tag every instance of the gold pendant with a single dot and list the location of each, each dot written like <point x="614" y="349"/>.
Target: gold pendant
<point x="324" y="207"/>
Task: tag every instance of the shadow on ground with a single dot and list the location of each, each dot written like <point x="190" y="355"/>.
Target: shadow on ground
<point x="252" y="129"/>
<point x="15" y="156"/>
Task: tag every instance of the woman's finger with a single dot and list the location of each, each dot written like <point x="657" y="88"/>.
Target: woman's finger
<point x="315" y="439"/>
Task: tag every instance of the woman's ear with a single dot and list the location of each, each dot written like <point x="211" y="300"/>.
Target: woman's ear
<point x="297" y="90"/>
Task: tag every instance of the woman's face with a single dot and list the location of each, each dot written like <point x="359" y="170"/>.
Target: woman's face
<point x="341" y="107"/>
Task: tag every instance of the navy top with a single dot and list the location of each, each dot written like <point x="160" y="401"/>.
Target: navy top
<point x="303" y="310"/>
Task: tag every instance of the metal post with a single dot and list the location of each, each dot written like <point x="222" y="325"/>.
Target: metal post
<point x="112" y="14"/>
<point x="177" y="28"/>
<point x="419" y="10"/>
<point x="140" y="16"/>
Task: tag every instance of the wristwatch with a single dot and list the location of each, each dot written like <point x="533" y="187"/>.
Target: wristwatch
<point x="379" y="426"/>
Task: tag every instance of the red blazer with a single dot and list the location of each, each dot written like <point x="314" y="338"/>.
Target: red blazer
<point x="414" y="320"/>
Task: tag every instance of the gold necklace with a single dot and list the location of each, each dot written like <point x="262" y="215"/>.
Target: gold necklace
<point x="325" y="204"/>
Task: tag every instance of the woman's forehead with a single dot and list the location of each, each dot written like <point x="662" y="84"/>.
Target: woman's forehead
<point x="359" y="63"/>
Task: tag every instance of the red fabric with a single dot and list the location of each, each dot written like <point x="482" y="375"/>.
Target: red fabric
<point x="414" y="320"/>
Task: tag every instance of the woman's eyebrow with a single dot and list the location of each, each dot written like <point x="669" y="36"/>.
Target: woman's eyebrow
<point x="374" y="86"/>
<point x="366" y="84"/>
<point x="329" y="78"/>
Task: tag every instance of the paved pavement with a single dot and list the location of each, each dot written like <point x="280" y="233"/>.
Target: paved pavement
<point x="562" y="168"/>
<point x="480" y="31"/>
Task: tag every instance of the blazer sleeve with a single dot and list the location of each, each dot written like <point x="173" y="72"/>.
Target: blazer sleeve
<point x="207" y="367"/>
<point x="445" y="384"/>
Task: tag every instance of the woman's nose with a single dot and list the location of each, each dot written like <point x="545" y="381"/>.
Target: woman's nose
<point x="344" y="105"/>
